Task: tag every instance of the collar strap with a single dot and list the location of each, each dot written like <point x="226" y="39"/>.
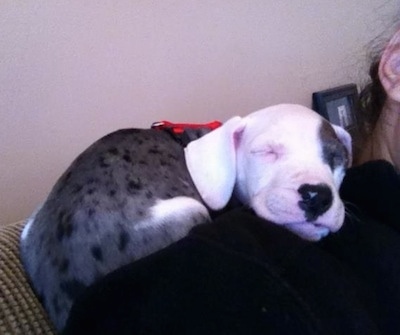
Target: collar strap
<point x="184" y="133"/>
<point x="179" y="128"/>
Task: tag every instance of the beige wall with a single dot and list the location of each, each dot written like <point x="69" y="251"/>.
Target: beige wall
<point x="72" y="71"/>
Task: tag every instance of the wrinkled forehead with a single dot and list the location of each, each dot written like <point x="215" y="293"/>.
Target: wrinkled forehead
<point x="300" y="130"/>
<point x="292" y="124"/>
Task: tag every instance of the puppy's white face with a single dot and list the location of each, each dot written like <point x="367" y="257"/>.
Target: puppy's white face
<point x="290" y="163"/>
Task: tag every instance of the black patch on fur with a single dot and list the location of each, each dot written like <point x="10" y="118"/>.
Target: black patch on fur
<point x="97" y="253"/>
<point x="92" y="181"/>
<point x="72" y="288"/>
<point x="54" y="262"/>
<point x="113" y="151"/>
<point x="60" y="232"/>
<point x="77" y="188"/>
<point x="123" y="241"/>
<point x="142" y="162"/>
<point x="112" y="193"/>
<point x="69" y="228"/>
<point x="65" y="227"/>
<point x="149" y="194"/>
<point x="64" y="266"/>
<point x="103" y="163"/>
<point x="334" y="153"/>
<point x="155" y="151"/>
<point x="91" y="212"/>
<point x="61" y="215"/>
<point x="91" y="191"/>
<point x="134" y="185"/>
<point x="173" y="157"/>
<point x="127" y="158"/>
<point x="164" y="163"/>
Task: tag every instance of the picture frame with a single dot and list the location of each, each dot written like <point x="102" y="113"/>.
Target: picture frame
<point x="337" y="105"/>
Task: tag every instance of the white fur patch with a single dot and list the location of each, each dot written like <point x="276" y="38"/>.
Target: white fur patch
<point x="177" y="209"/>
<point x="27" y="227"/>
<point x="28" y="224"/>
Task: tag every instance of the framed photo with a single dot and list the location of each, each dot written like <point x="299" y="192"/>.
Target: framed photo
<point x="337" y="104"/>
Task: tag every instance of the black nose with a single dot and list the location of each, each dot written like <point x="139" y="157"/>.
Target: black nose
<point x="316" y="200"/>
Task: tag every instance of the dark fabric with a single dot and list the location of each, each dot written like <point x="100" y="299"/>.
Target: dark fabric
<point x="372" y="251"/>
<point x="238" y="275"/>
<point x="369" y="242"/>
<point x="374" y="188"/>
<point x="243" y="275"/>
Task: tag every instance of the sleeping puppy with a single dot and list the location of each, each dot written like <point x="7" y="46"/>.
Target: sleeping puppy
<point x="136" y="191"/>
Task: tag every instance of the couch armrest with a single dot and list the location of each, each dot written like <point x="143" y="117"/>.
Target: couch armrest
<point x="20" y="310"/>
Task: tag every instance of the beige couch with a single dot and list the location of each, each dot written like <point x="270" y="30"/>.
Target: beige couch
<point x="20" y="310"/>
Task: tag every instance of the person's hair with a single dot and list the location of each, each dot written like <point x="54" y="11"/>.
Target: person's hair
<point x="372" y="96"/>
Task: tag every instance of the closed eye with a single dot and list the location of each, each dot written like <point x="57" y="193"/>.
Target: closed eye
<point x="270" y="152"/>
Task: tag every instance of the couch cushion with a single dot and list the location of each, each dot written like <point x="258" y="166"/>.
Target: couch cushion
<point x="20" y="310"/>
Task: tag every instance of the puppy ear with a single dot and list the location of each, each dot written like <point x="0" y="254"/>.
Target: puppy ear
<point x="345" y="138"/>
<point x="389" y="68"/>
<point x="211" y="161"/>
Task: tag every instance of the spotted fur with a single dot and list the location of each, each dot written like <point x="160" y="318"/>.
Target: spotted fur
<point x="109" y="208"/>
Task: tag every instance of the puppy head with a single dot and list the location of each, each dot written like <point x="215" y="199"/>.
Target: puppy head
<point x="285" y="161"/>
<point x="290" y="164"/>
